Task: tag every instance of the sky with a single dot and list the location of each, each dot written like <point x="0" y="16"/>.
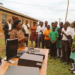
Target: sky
<point x="44" y="10"/>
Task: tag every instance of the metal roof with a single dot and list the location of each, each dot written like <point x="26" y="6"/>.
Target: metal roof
<point x="17" y="13"/>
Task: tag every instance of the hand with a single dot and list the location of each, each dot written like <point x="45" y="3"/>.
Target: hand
<point x="52" y="42"/>
<point x="9" y="30"/>
<point x="25" y="38"/>
<point x="40" y="30"/>
<point x="62" y="32"/>
<point x="46" y="35"/>
<point x="72" y="50"/>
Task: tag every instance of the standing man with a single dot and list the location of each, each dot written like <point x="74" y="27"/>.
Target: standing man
<point x="65" y="43"/>
<point x="52" y="24"/>
<point x="44" y="28"/>
<point x="56" y="28"/>
<point x="59" y="51"/>
<point x="26" y="28"/>
<point x="39" y="34"/>
<point x="70" y="31"/>
<point x="39" y="23"/>
<point x="56" y="23"/>
<point x="7" y="29"/>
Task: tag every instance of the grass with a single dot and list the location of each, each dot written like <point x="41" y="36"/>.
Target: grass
<point x="2" y="49"/>
<point x="54" y="67"/>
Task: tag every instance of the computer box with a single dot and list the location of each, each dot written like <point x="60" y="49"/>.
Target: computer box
<point x="35" y="52"/>
<point x="30" y="60"/>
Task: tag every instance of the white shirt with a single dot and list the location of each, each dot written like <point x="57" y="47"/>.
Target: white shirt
<point x="9" y="24"/>
<point x="67" y="32"/>
<point x="44" y="28"/>
<point x="38" y="29"/>
<point x="72" y="32"/>
<point x="25" y="28"/>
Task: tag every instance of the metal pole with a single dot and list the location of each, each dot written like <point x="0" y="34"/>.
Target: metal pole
<point x="59" y="21"/>
<point x="67" y="11"/>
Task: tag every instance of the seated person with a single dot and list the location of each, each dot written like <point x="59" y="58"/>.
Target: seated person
<point x="17" y="33"/>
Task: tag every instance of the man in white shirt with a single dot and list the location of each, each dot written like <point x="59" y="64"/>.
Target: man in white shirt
<point x="39" y="31"/>
<point x="70" y="39"/>
<point x="26" y="27"/>
<point x="7" y="29"/>
<point x="44" y="28"/>
<point x="65" y="42"/>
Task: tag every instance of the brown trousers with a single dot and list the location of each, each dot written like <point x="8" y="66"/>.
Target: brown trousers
<point x="42" y="39"/>
<point x="65" y="50"/>
<point x="47" y="43"/>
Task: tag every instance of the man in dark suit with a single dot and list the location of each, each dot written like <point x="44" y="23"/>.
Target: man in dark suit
<point x="7" y="28"/>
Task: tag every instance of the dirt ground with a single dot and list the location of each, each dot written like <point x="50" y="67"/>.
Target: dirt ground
<point x="1" y="36"/>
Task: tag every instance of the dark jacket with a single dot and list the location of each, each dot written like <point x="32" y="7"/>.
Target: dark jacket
<point x="6" y="28"/>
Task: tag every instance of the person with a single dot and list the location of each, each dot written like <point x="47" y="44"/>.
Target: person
<point x="56" y="23"/>
<point x="17" y="33"/>
<point x="59" y="51"/>
<point x="33" y="34"/>
<point x="44" y="28"/>
<point x="72" y="55"/>
<point x="53" y="35"/>
<point x="70" y="38"/>
<point x="39" y="31"/>
<point x="46" y="38"/>
<point x="39" y="23"/>
<point x="72" y="24"/>
<point x="68" y="25"/>
<point x="52" y="24"/>
<point x="26" y="28"/>
<point x="65" y="42"/>
<point x="7" y="29"/>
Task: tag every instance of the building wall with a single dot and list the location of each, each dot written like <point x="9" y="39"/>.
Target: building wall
<point x="9" y="15"/>
<point x="1" y="22"/>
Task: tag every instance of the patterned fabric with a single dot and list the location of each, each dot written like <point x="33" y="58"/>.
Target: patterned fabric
<point x="33" y="34"/>
<point x="17" y="34"/>
<point x="72" y="55"/>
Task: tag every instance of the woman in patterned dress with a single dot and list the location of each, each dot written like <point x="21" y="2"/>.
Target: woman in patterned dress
<point x="17" y="33"/>
<point x="33" y="34"/>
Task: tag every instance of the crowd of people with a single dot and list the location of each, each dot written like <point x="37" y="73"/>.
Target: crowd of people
<point x="59" y="40"/>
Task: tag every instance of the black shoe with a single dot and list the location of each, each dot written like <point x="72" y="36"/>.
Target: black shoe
<point x="54" y="58"/>
<point x="66" y="63"/>
<point x="57" y="57"/>
<point x="62" y="60"/>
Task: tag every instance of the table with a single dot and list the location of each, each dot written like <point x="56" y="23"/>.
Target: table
<point x="42" y="71"/>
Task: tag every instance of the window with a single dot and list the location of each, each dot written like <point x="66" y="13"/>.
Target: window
<point x="4" y="17"/>
<point x="22" y="20"/>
